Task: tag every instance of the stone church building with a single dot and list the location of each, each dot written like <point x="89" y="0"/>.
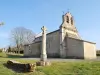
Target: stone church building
<point x="63" y="43"/>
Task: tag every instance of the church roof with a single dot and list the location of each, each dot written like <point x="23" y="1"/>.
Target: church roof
<point x="81" y="40"/>
<point x="39" y="36"/>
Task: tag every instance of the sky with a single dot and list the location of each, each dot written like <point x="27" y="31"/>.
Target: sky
<point x="33" y="14"/>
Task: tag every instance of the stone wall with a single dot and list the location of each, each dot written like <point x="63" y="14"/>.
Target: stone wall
<point x="75" y="48"/>
<point x="53" y="44"/>
<point x="26" y="50"/>
<point x="32" y="49"/>
<point x="80" y="49"/>
<point x="36" y="49"/>
<point x="89" y="50"/>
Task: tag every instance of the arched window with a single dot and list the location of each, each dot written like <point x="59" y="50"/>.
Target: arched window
<point x="67" y="19"/>
<point x="71" y="20"/>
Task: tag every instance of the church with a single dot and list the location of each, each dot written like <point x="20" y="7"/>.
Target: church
<point x="64" y="42"/>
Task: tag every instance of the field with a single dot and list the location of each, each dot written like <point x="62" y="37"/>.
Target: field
<point x="57" y="68"/>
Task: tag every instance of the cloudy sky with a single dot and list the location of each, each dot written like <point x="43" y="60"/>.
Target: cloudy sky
<point x="33" y="14"/>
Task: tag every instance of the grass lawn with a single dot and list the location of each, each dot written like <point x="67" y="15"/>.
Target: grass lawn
<point x="57" y="68"/>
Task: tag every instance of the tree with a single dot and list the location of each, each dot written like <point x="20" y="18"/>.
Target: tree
<point x="9" y="49"/>
<point x="21" y="36"/>
<point x="1" y="23"/>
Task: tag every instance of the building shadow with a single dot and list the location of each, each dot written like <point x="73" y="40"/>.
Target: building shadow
<point x="14" y="56"/>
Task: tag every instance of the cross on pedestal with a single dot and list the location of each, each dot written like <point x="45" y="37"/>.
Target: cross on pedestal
<point x="43" y="51"/>
<point x="43" y="59"/>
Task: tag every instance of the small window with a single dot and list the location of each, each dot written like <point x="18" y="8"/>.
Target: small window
<point x="71" y="20"/>
<point x="67" y="19"/>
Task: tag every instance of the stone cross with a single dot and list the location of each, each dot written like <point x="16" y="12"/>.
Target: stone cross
<point x="43" y="51"/>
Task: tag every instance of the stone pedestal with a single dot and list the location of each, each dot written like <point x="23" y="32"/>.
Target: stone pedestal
<point x="43" y="57"/>
<point x="43" y="63"/>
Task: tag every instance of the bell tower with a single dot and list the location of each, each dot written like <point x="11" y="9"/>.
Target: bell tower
<point x="68" y="26"/>
<point x="67" y="29"/>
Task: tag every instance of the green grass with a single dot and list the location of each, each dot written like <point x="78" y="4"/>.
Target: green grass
<point x="10" y="55"/>
<point x="2" y="54"/>
<point x="72" y="68"/>
<point x="57" y="68"/>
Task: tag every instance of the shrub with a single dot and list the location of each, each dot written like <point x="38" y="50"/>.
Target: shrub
<point x="0" y="50"/>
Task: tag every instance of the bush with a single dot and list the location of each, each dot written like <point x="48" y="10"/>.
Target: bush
<point x="9" y="49"/>
<point x="0" y="50"/>
<point x="98" y="52"/>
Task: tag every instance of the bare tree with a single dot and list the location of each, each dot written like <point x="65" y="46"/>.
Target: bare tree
<point x="21" y="36"/>
<point x="1" y="23"/>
